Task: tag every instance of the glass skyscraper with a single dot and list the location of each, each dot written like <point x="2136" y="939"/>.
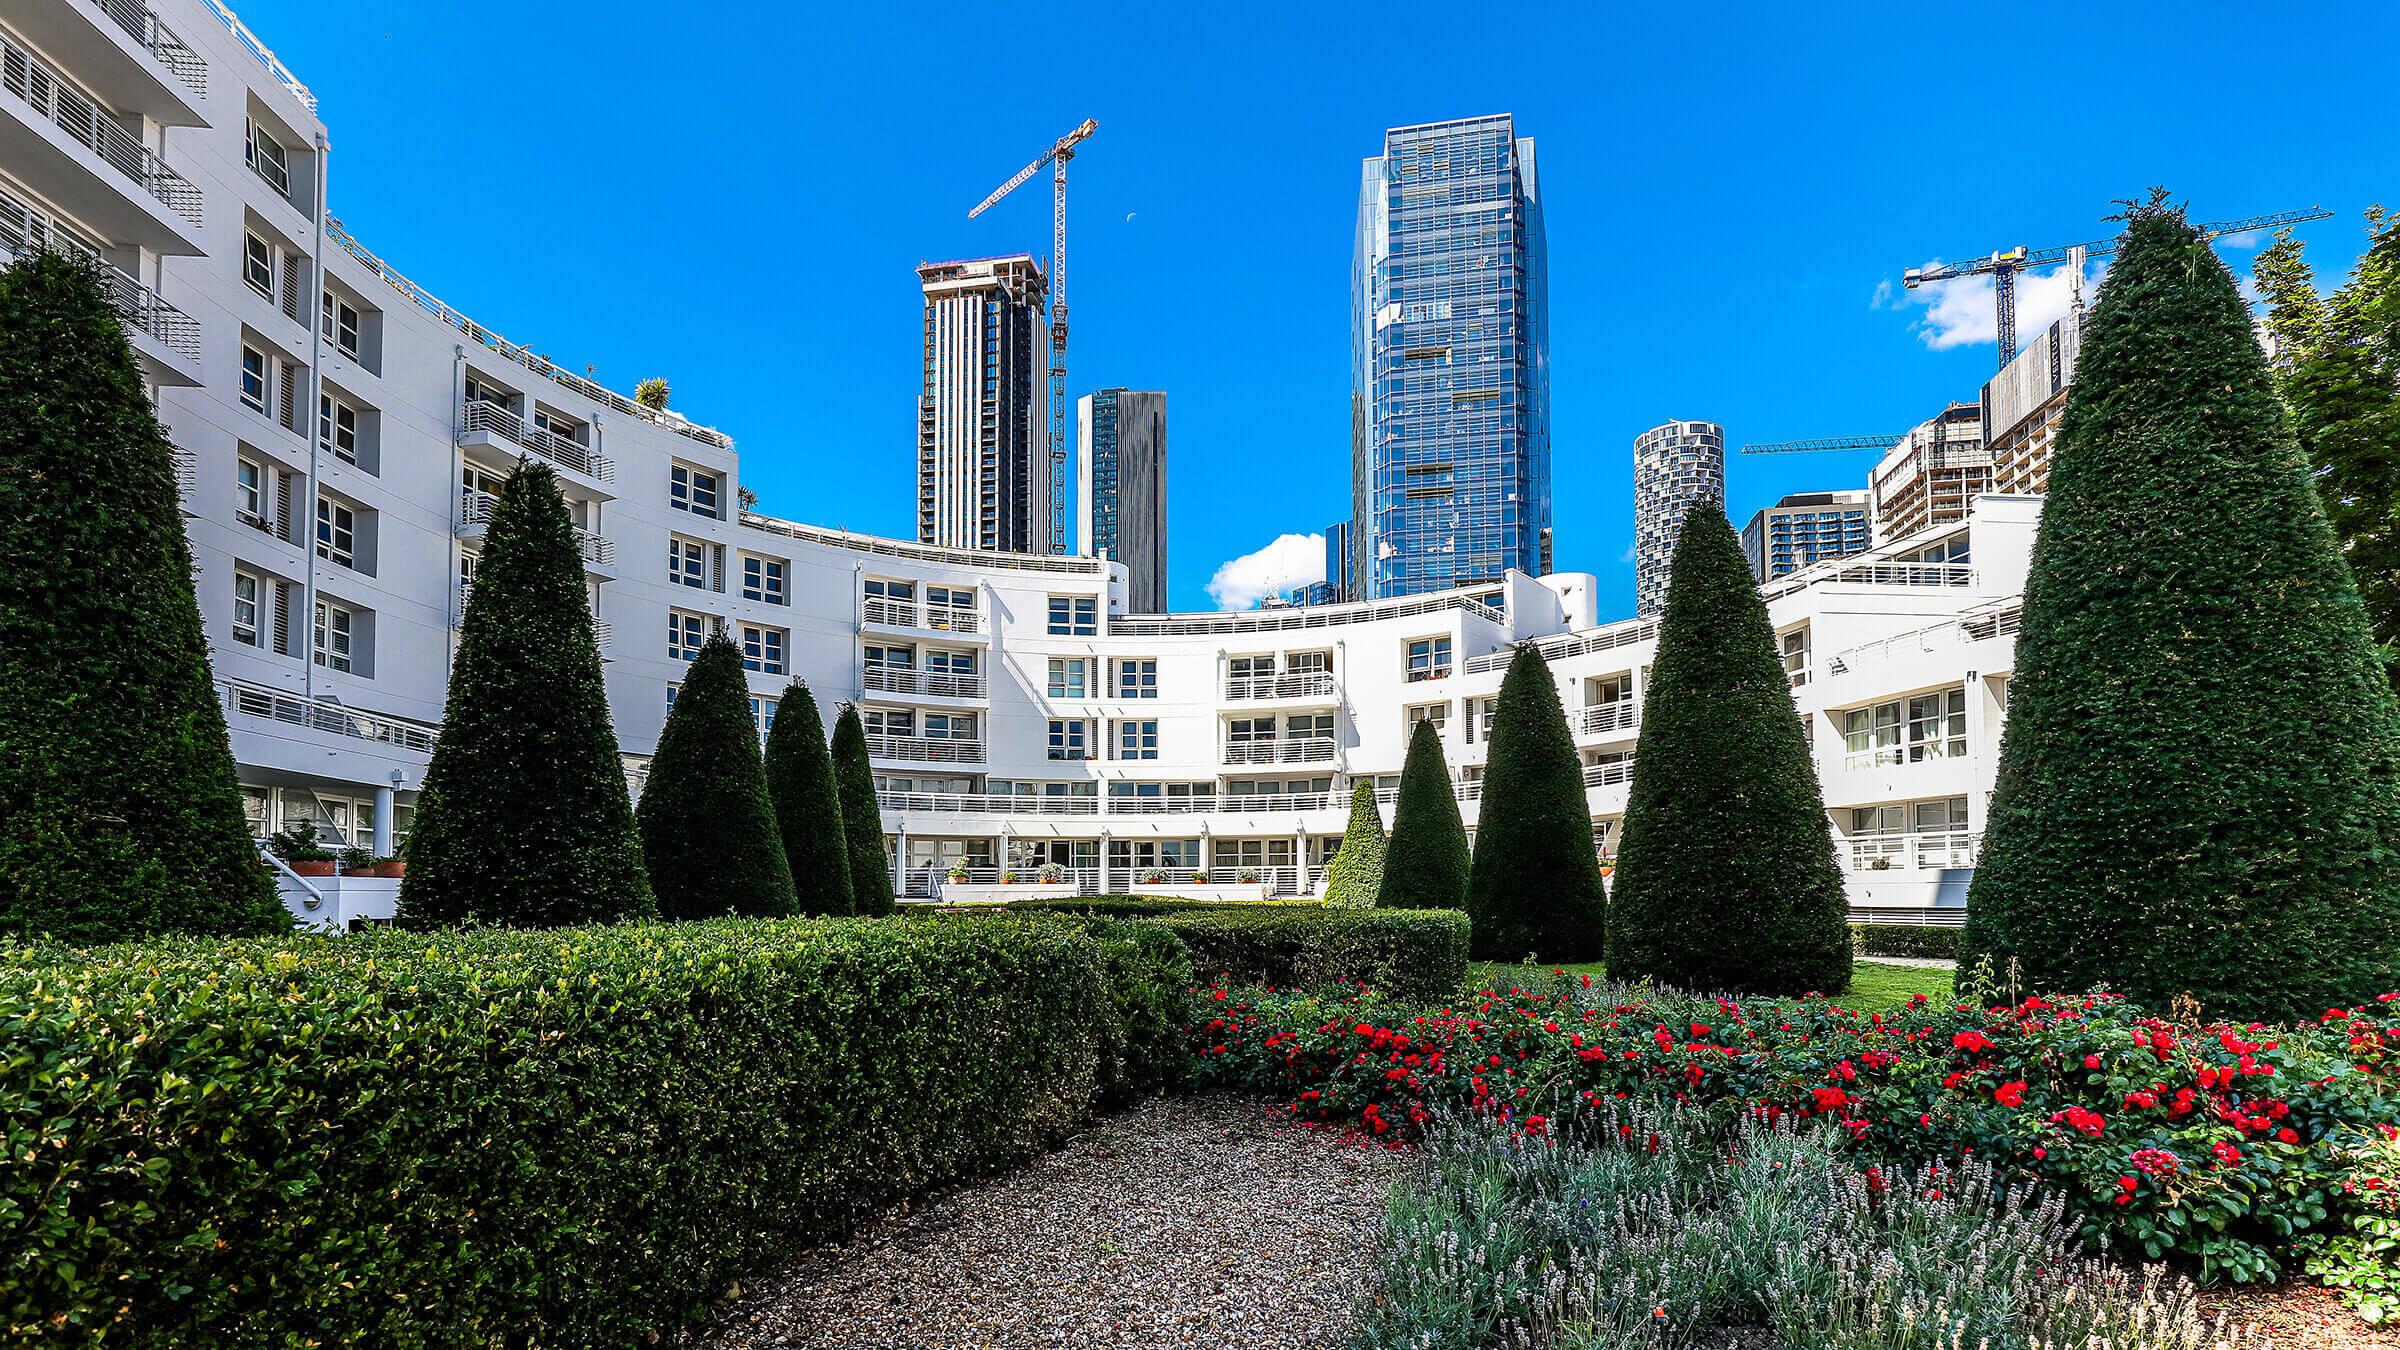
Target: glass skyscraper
<point x="1450" y="362"/>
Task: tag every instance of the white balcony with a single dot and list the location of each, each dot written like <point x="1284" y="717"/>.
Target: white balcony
<point x="1602" y="719"/>
<point x="1004" y="804"/>
<point x="909" y="614"/>
<point x="120" y="51"/>
<point x="489" y="424"/>
<point x="1911" y="852"/>
<point x="1894" y="756"/>
<point x="1307" y="686"/>
<point x="475" y="510"/>
<point x="924" y="749"/>
<point x="1303" y="750"/>
<point x="1607" y="775"/>
<point x="922" y="683"/>
<point x="243" y="699"/>
<point x="987" y="804"/>
<point x="72" y="151"/>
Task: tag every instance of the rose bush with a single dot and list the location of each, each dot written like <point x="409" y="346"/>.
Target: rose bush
<point x="2206" y="1142"/>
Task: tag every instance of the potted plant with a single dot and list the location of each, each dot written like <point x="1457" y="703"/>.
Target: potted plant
<point x="958" y="874"/>
<point x="1154" y="877"/>
<point x="1199" y="878"/>
<point x="354" y="859"/>
<point x="1008" y="878"/>
<point x="652" y="394"/>
<point x="1052" y="874"/>
<point x="393" y="866"/>
<point x="1879" y="863"/>
<point x="297" y="846"/>
<point x="1249" y="876"/>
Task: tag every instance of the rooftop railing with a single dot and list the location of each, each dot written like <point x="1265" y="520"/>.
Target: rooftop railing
<point x="24" y="75"/>
<point x="258" y="700"/>
<point x="1300" y="617"/>
<point x="975" y="559"/>
<point x="251" y="44"/>
<point x="492" y="419"/>
<point x="2000" y="622"/>
<point x="160" y="41"/>
<point x="1571" y="644"/>
<point x="1873" y="574"/>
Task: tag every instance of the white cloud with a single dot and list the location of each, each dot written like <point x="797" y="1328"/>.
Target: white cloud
<point x="1292" y="560"/>
<point x="1961" y="312"/>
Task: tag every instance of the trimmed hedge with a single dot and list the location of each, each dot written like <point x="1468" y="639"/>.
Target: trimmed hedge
<point x="1411" y="953"/>
<point x="564" y="1138"/>
<point x="1878" y="939"/>
<point x="1149" y="906"/>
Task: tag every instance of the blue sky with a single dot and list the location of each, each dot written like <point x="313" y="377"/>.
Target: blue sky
<point x="734" y="197"/>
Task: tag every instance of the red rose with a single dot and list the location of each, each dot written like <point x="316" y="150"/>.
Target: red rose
<point x="2009" y="1094"/>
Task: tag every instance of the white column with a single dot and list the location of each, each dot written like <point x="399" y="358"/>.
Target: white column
<point x="383" y="822"/>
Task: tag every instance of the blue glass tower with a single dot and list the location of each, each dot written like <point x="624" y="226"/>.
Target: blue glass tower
<point x="1450" y="362"/>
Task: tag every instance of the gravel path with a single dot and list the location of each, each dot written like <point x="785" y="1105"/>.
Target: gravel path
<point x="1184" y="1222"/>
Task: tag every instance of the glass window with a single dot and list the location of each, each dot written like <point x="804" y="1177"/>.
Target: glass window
<point x="1429" y="658"/>
<point x="687" y="562"/>
<point x="1074" y="616"/>
<point x="333" y="634"/>
<point x="339" y="322"/>
<point x="882" y="657"/>
<point x="762" y="580"/>
<point x="762" y="650"/>
<point x="1137" y="740"/>
<point x="693" y="490"/>
<point x="254" y="379"/>
<point x="1067" y="739"/>
<point x="337" y="427"/>
<point x="258" y="265"/>
<point x="245" y="610"/>
<point x="247" y="500"/>
<point x="265" y="156"/>
<point x="337" y="532"/>
<point x="762" y="712"/>
<point x="1137" y="679"/>
<point x="1436" y="713"/>
<point x="1066" y="677"/>
<point x="684" y="636"/>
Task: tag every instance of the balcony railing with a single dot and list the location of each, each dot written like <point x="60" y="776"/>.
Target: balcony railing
<point x="1976" y="627"/>
<point x="1616" y="635"/>
<point x="925" y="683"/>
<point x="1303" y="750"/>
<point x="266" y="58"/>
<point x="988" y="803"/>
<point x="136" y="303"/>
<point x="493" y="420"/>
<point x="1889" y="756"/>
<point x="925" y="749"/>
<point x="1316" y="684"/>
<point x="86" y="122"/>
<point x="475" y="508"/>
<point x="1004" y="804"/>
<point x="1602" y="718"/>
<point x="159" y="40"/>
<point x="910" y="614"/>
<point x="1605" y="775"/>
<point x="256" y="700"/>
<point x="1913" y="852"/>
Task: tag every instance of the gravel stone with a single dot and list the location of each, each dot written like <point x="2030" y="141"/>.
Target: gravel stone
<point x="1186" y="1221"/>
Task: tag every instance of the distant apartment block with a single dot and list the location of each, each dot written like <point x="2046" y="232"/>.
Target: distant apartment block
<point x="1121" y="485"/>
<point x="1674" y="465"/>
<point x="1341" y="561"/>
<point x="1928" y="476"/>
<point x="1450" y="414"/>
<point x="2022" y="406"/>
<point x="983" y="446"/>
<point x="1804" y="528"/>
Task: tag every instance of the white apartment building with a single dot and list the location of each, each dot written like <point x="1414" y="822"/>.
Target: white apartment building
<point x="342" y="430"/>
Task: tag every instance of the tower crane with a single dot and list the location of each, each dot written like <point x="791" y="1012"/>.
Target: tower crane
<point x="1825" y="443"/>
<point x="1055" y="158"/>
<point x="2003" y="267"/>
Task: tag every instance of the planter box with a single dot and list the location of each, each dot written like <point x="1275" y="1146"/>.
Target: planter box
<point x="1250" y="890"/>
<point x="985" y="893"/>
<point x="312" y="868"/>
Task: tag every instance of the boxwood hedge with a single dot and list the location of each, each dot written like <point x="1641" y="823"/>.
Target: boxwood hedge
<point x="567" y="1138"/>
<point x="1890" y="939"/>
<point x="1411" y="953"/>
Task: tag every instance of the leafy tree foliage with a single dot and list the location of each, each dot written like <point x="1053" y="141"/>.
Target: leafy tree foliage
<point x="1726" y="877"/>
<point x="1427" y="861"/>
<point x="1355" y="875"/>
<point x="119" y="816"/>
<point x="2199" y="785"/>
<point x="709" y="833"/>
<point x="1535" y="886"/>
<point x="808" y="809"/>
<point x="862" y="817"/>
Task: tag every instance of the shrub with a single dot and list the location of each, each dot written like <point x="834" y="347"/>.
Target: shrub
<point x="1726" y="877"/>
<point x="862" y="817"/>
<point x="1147" y="906"/>
<point x="561" y="1137"/>
<point x="1413" y="953"/>
<point x="1535" y="885"/>
<point x="709" y="834"/>
<point x="652" y="393"/>
<point x="2363" y="1261"/>
<point x="525" y="819"/>
<point x="808" y="812"/>
<point x="119" y="817"/>
<point x="2199" y="780"/>
<point x="1356" y="872"/>
<point x="1426" y="863"/>
<point x="1878" y="939"/>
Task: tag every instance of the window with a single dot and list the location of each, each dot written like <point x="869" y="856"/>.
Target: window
<point x="1067" y="739"/>
<point x="1066" y="677"/>
<point x="339" y="322"/>
<point x="248" y="499"/>
<point x="891" y="722"/>
<point x="1137" y="679"/>
<point x="254" y="379"/>
<point x="684" y="636"/>
<point x="1176" y="858"/>
<point x="246" y="630"/>
<point x="891" y="658"/>
<point x="687" y="563"/>
<point x="1251" y="729"/>
<point x="692" y="490"/>
<point x="1937" y="725"/>
<point x="902" y="591"/>
<point x="1436" y="713"/>
<point x="949" y="726"/>
<point x="1137" y="740"/>
<point x="265" y="156"/>
<point x="672" y="690"/>
<point x="1479" y="718"/>
<point x="1249" y="667"/>
<point x="762" y="650"/>
<point x="333" y="635"/>
<point x="1872" y="735"/>
<point x="1794" y="646"/>
<point x="1074" y="616"/>
<point x="1429" y="658"/>
<point x="337" y="427"/>
<point x="1307" y="663"/>
<point x="258" y="265"/>
<point x="762" y="712"/>
<point x="762" y="580"/>
<point x="479" y="392"/>
<point x="337" y="532"/>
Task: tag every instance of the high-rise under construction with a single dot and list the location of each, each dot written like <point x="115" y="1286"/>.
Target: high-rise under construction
<point x="983" y="443"/>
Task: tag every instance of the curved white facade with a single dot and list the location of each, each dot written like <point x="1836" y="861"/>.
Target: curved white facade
<point x="340" y="425"/>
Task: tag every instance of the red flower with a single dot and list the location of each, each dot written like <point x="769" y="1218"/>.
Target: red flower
<point x="2287" y="1136"/>
<point x="2091" y="1061"/>
<point x="1971" y="1041"/>
<point x="2227" y="1153"/>
<point x="2009" y="1094"/>
<point x="1830" y="1098"/>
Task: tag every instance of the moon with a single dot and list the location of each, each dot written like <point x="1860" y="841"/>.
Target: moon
<point x="1129" y="215"/>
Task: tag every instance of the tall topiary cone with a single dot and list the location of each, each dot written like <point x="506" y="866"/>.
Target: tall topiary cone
<point x="2199" y="786"/>
<point x="119" y="815"/>
<point x="709" y="834"/>
<point x="1425" y="864"/>
<point x="1726" y="877"/>
<point x="862" y="818"/>
<point x="808" y="810"/>
<point x="1355" y="875"/>
<point x="1535" y="886"/>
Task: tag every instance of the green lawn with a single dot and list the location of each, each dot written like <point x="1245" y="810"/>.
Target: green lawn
<point x="1874" y="986"/>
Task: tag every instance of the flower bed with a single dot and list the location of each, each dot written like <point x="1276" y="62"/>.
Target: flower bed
<point x="567" y="1138"/>
<point x="2203" y="1142"/>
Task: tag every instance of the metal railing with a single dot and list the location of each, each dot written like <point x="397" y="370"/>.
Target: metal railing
<point x="1872" y="574"/>
<point x="1912" y="852"/>
<point x="1604" y="775"/>
<point x="1306" y="616"/>
<point x="1577" y="644"/>
<point x="1303" y="750"/>
<point x="24" y="75"/>
<point x="1602" y="718"/>
<point x="159" y="40"/>
<point x="1971" y="628"/>
<point x="523" y="356"/>
<point x="910" y="614"/>
<point x="1019" y="804"/>
<point x="258" y="700"/>
<point x="925" y="749"/>
<point x="988" y="803"/>
<point x="927" y="683"/>
<point x="475" y="508"/>
<point x="494" y="420"/>
<point x="1313" y="684"/>
<point x="137" y="304"/>
<point x="976" y="559"/>
<point x="250" y="42"/>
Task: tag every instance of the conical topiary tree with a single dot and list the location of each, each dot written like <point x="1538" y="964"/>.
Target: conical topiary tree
<point x="709" y="835"/>
<point x="525" y="819"/>
<point x="862" y="818"/>
<point x="1425" y="864"/>
<point x="1726" y="878"/>
<point x="808" y="810"/>
<point x="2199" y="784"/>
<point x="1535" y="886"/>
<point x="1355" y="876"/>
<point x="119" y="815"/>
